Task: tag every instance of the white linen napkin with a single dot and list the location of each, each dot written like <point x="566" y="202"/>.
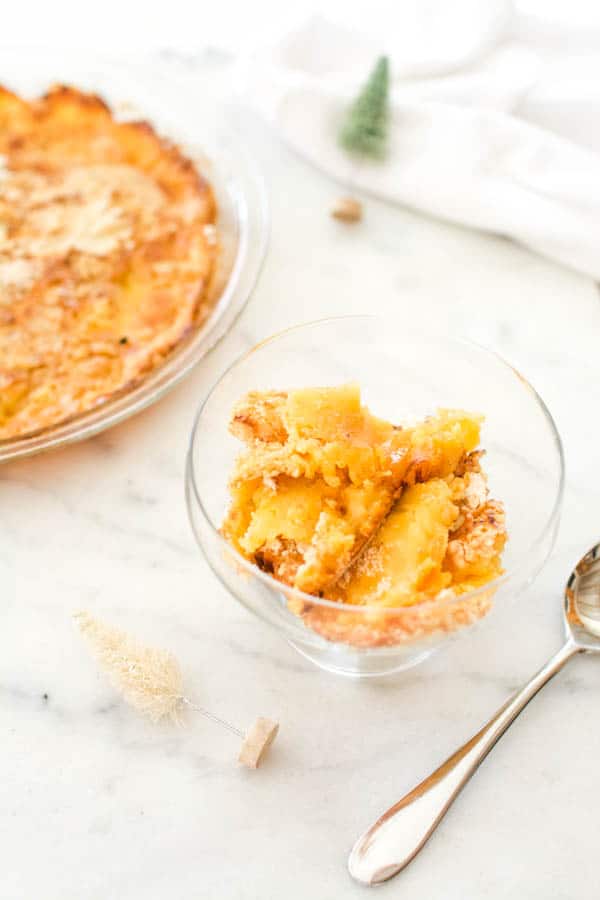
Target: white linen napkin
<point x="495" y="118"/>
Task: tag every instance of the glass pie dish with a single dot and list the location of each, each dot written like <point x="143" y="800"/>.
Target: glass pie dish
<point x="403" y="377"/>
<point x="187" y="117"/>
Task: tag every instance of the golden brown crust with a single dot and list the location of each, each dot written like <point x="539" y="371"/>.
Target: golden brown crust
<point x="473" y="553"/>
<point x="105" y="255"/>
<point x="388" y="628"/>
<point x="259" y="417"/>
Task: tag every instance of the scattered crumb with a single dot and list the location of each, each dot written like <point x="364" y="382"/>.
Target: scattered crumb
<point x="347" y="209"/>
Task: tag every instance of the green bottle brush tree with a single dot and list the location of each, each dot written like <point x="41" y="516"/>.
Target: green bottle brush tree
<point x="364" y="130"/>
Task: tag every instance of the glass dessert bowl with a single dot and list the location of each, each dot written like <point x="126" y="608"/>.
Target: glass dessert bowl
<point x="404" y="378"/>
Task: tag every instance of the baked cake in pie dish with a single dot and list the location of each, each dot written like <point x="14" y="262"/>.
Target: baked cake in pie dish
<point x="365" y="515"/>
<point x="107" y="255"/>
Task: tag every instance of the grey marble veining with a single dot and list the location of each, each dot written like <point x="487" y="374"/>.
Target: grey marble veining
<point x="97" y="804"/>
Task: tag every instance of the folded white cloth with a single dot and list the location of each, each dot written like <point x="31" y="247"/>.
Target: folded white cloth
<point x="495" y="118"/>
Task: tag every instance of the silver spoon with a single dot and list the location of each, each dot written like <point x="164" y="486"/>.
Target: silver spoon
<point x="396" y="838"/>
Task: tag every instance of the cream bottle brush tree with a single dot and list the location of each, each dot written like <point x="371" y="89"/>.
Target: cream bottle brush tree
<point x="149" y="679"/>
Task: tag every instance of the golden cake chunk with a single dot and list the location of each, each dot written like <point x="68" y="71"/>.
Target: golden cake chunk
<point x="441" y="540"/>
<point x="403" y="562"/>
<point x="107" y="251"/>
<point x="393" y="526"/>
<point x="443" y="533"/>
<point x="320" y="473"/>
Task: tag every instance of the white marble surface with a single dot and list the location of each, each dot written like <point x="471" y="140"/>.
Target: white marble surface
<point x="97" y="804"/>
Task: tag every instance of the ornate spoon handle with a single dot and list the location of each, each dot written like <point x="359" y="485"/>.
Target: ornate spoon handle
<point x="396" y="838"/>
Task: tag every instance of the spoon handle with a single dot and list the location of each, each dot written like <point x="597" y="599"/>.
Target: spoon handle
<point x="396" y="838"/>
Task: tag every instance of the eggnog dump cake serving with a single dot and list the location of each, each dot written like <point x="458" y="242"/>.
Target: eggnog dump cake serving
<point x="107" y="250"/>
<point x="344" y="506"/>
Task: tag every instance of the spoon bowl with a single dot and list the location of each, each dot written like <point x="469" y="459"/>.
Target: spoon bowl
<point x="582" y="602"/>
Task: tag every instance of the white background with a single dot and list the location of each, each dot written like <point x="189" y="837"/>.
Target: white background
<point x="119" y="26"/>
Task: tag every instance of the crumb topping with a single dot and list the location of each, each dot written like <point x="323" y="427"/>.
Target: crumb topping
<point x="106" y="230"/>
